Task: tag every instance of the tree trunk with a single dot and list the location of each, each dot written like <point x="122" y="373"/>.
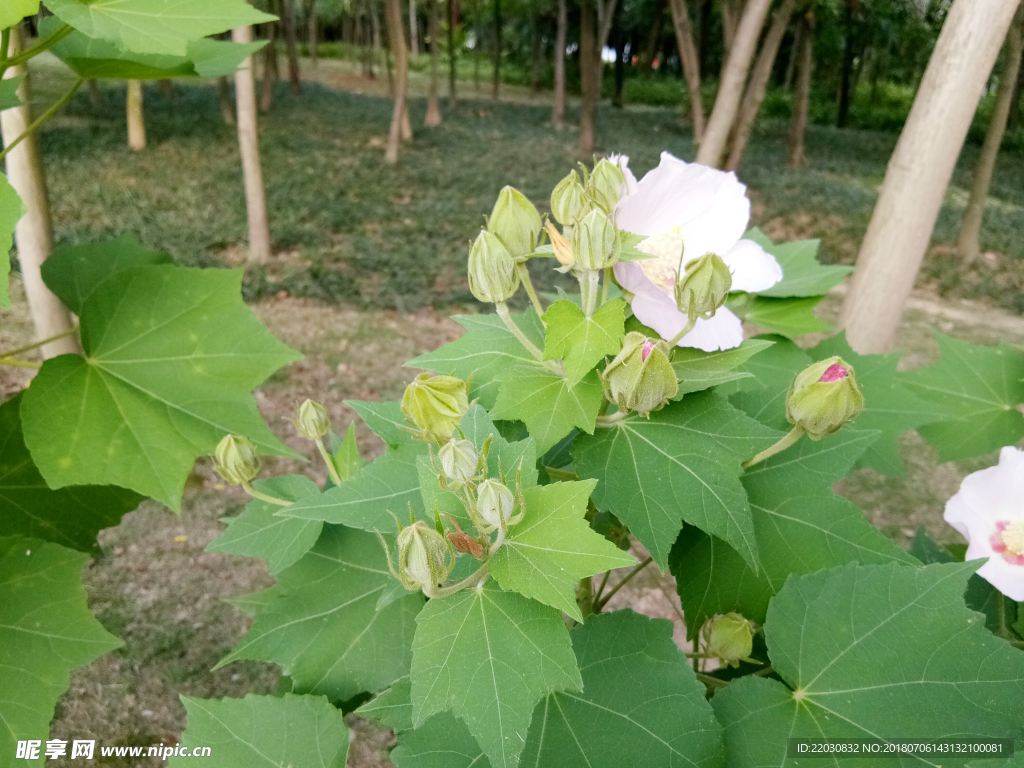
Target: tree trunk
<point x="414" y="29"/>
<point x="312" y="32"/>
<point x="690" y="63"/>
<point x="269" y="68"/>
<point x="1014" y="120"/>
<point x="377" y="43"/>
<point x="433" y="110"/>
<point x="136" y="119"/>
<point x="496" y="83"/>
<point x="167" y="89"/>
<point x="396" y="38"/>
<point x="452" y="21"/>
<point x="758" y="84"/>
<point x="33" y="234"/>
<point x="558" y="108"/>
<point x="588" y="76"/>
<point x="794" y="54"/>
<point x="730" y="90"/>
<point x="805" y="63"/>
<point x="288" y="20"/>
<point x="536" y="54"/>
<point x="653" y="41"/>
<point x="619" y="94"/>
<point x="968" y="243"/>
<point x="93" y="88"/>
<point x="730" y="15"/>
<point x="847" y="71"/>
<point x="227" y="109"/>
<point x="605" y="22"/>
<point x="920" y="169"/>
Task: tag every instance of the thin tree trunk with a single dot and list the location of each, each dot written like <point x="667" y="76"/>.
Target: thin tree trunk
<point x="167" y="89"/>
<point x="536" y="54"/>
<point x="758" y="84"/>
<point x="968" y="243"/>
<point x="847" y="71"/>
<point x="794" y="54"/>
<point x="653" y="41"/>
<point x="730" y="90"/>
<point x="729" y="22"/>
<point x="294" y="76"/>
<point x="920" y="169"/>
<point x="588" y="76"/>
<point x="1014" y="121"/>
<point x="452" y="74"/>
<point x="312" y="32"/>
<point x="136" y="118"/>
<point x="396" y="38"/>
<point x="606" y="19"/>
<point x="33" y="234"/>
<point x="93" y="89"/>
<point x="619" y="95"/>
<point x="414" y="29"/>
<point x="269" y="67"/>
<point x="249" y="145"/>
<point x="377" y="43"/>
<point x="805" y="63"/>
<point x="691" y="64"/>
<point x="433" y="110"/>
<point x="558" y="108"/>
<point x="227" y="108"/>
<point x="496" y="82"/>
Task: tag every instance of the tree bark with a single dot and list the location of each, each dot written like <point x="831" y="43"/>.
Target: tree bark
<point x="414" y="29"/>
<point x="136" y="118"/>
<point x="606" y="20"/>
<point x="730" y="90"/>
<point x="312" y="32"/>
<point x="588" y="76"/>
<point x="536" y="53"/>
<point x="805" y="63"/>
<point x="847" y="71"/>
<point x="729" y="22"/>
<point x="270" y="73"/>
<point x="920" y="169"/>
<point x="433" y="110"/>
<point x="619" y="94"/>
<point x="167" y="89"/>
<point x="653" y="41"/>
<point x="758" y="84"/>
<point x="969" y="241"/>
<point x="93" y="89"/>
<point x="690" y="63"/>
<point x="1014" y="120"/>
<point x="227" y="108"/>
<point x="794" y="55"/>
<point x="249" y="146"/>
<point x="377" y="43"/>
<point x="452" y="75"/>
<point x="496" y="82"/>
<point x="396" y="37"/>
<point x="288" y="19"/>
<point x="558" y="106"/>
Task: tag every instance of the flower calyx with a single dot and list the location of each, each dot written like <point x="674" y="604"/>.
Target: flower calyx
<point x="492" y="272"/>
<point x="435" y="405"/>
<point x="236" y="460"/>
<point x="425" y="556"/>
<point x="516" y="223"/>
<point x="823" y="397"/>
<point x="313" y="422"/>
<point x="460" y="461"/>
<point x="596" y="242"/>
<point x="640" y="378"/>
<point x="730" y="639"/>
<point x="567" y="204"/>
<point x="604" y="185"/>
<point x="703" y="286"/>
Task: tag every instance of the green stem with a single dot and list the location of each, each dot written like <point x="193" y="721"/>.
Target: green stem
<point x="42" y="45"/>
<point x="331" y="469"/>
<point x="524" y="276"/>
<point x="622" y="583"/>
<point x="19" y="363"/>
<point x="591" y="278"/>
<point x="1004" y="630"/>
<point x="36" y="344"/>
<point x="611" y="419"/>
<point x="1017" y="643"/>
<point x="447" y="591"/>
<point x="264" y="497"/>
<point x="604" y="285"/>
<point x="712" y="682"/>
<point x="690" y="323"/>
<point x="5" y="47"/>
<point x="794" y="434"/>
<point x="44" y="117"/>
<point x="764" y="672"/>
<point x="506" y="318"/>
<point x="600" y="589"/>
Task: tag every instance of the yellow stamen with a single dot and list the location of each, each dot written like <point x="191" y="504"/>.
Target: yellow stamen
<point x="1013" y="537"/>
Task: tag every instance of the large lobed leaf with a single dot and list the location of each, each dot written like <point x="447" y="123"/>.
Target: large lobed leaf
<point x="698" y="370"/>
<point x="13" y="11"/>
<point x="11" y="211"/>
<point x="802" y="274"/>
<point x="580" y="341"/>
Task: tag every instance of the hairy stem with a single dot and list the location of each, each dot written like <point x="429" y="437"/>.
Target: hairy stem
<point x="690" y="323"/>
<point x="506" y="318"/>
<point x="479" y="575"/>
<point x="331" y="469"/>
<point x="20" y="58"/>
<point x="524" y="276"/>
<point x="622" y="583"/>
<point x="264" y="497"/>
<point x="36" y="344"/>
<point x="794" y="434"/>
<point x="712" y="682"/>
<point x="604" y="285"/>
<point x="45" y="116"/>
<point x="611" y="418"/>
<point x="19" y="363"/>
<point x="589" y="281"/>
<point x="600" y="589"/>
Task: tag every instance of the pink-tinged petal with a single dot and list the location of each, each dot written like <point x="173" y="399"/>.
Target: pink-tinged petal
<point x="629" y="185"/>
<point x="710" y="207"/>
<point x="631" y="277"/>
<point x="833" y="373"/>
<point x="646" y="349"/>
<point x="753" y="269"/>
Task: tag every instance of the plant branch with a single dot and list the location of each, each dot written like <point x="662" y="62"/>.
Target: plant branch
<point x="524" y="276"/>
<point x="435" y="593"/>
<point x="331" y="469"/>
<point x="604" y="285"/>
<point x="247" y="487"/>
<point x="600" y="589"/>
<point x="19" y="363"/>
<point x="690" y="323"/>
<point x="622" y="583"/>
<point x="712" y="682"/>
<point x="5" y="47"/>
<point x="506" y="318"/>
<point x="794" y="434"/>
<point x="44" y="117"/>
<point x="36" y="344"/>
<point x="20" y="58"/>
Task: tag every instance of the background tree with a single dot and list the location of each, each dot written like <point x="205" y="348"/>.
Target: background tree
<point x="558" y="102"/>
<point x="804" y="64"/>
<point x="288" y="22"/>
<point x="433" y="110"/>
<point x="588" y="76"/>
<point x="690" y="63"/>
<point x="400" y="127"/>
<point x="136" y="117"/>
<point x="249" y="146"/>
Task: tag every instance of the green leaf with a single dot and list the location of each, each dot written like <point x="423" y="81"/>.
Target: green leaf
<point x="547" y="404"/>
<point x="802" y="274"/>
<point x="69" y="516"/>
<point x="9" y="92"/>
<point x="978" y="389"/>
<point x="73" y="272"/>
<point x="580" y="341"/>
<point x="345" y="454"/>
<point x="171" y="358"/>
<point x="489" y="656"/>
<point x="889" y="406"/>
<point x="682" y="464"/>
<point x="219" y="58"/>
<point x="879" y="651"/>
<point x="485" y="351"/>
<point x="641" y="703"/>
<point x="13" y="11"/>
<point x="553" y="547"/>
<point x="258" y="533"/>
<point x="443" y="741"/>
<point x="11" y="211"/>
<point x="46" y="630"/>
<point x="321" y="622"/>
<point x="155" y="26"/>
<point x="393" y="707"/>
<point x="385" y="420"/>
<point x="698" y="370"/>
<point x="389" y="484"/>
<point x="265" y="732"/>
<point x="764" y="396"/>
<point x="788" y="317"/>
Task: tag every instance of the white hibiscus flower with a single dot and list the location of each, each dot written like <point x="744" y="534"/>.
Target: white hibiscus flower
<point x="706" y="210"/>
<point x="989" y="511"/>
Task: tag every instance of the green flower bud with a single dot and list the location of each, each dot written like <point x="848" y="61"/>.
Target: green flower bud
<point x="703" y="287"/>
<point x="494" y="501"/>
<point x="604" y="183"/>
<point x="595" y="241"/>
<point x="459" y="460"/>
<point x="235" y="460"/>
<point x="640" y="378"/>
<point x="435" y="405"/>
<point x="516" y="223"/>
<point x="823" y="397"/>
<point x="424" y="556"/>
<point x="314" y="422"/>
<point x="492" y="270"/>
<point x="730" y="638"/>
<point x="567" y="200"/>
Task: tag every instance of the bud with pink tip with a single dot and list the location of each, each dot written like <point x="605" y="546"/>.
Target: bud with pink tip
<point x="823" y="397"/>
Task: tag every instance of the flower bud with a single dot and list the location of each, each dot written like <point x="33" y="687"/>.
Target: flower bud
<point x="823" y="397"/>
<point x="435" y="405"/>
<point x="515" y="221"/>
<point x="235" y="460"/>
<point x="640" y="378"/>
<point x="703" y="287"/>
<point x="424" y="556"/>
<point x="604" y="184"/>
<point x="459" y="460"/>
<point x="494" y="502"/>
<point x="492" y="270"/>
<point x="314" y="421"/>
<point x="730" y="638"/>
<point x="595" y="241"/>
<point x="567" y="200"/>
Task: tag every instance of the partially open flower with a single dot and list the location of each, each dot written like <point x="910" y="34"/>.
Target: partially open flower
<point x="988" y="510"/>
<point x="640" y="378"/>
<point x="236" y="460"/>
<point x="435" y="405"/>
<point x="605" y="183"/>
<point x="823" y="397"/>
<point x="425" y="557"/>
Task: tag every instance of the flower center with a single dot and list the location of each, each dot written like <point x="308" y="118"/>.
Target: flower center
<point x="1012" y="537"/>
<point x="665" y="248"/>
<point x="833" y="373"/>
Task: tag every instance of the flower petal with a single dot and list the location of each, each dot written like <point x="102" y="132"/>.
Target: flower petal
<point x="753" y="268"/>
<point x="629" y="185"/>
<point x="1007" y="578"/>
